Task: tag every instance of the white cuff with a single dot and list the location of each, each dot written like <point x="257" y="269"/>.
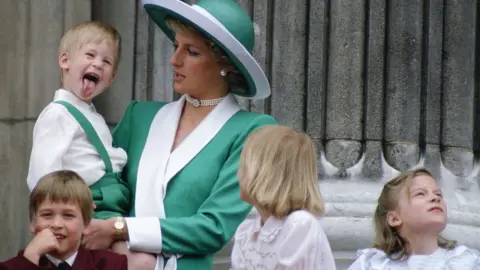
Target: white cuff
<point x="144" y="234"/>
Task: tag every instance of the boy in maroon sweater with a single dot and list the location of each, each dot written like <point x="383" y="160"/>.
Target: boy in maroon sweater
<point x="61" y="207"/>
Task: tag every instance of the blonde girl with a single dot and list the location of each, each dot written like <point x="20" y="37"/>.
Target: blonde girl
<point x="278" y="176"/>
<point x="409" y="218"/>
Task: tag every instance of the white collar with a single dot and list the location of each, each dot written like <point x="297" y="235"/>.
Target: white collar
<point x="65" y="95"/>
<point x="56" y="261"/>
<point x="269" y="230"/>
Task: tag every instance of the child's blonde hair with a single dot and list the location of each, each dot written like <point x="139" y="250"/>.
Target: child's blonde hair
<point x="386" y="237"/>
<point x="91" y="32"/>
<point x="62" y="186"/>
<point x="278" y="170"/>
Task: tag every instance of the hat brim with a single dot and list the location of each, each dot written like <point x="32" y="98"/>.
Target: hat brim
<point x="159" y="10"/>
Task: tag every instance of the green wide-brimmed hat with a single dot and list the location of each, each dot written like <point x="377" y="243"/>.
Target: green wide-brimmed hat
<point x="224" y="22"/>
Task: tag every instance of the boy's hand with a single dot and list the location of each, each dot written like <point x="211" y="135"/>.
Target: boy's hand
<point x="43" y="243"/>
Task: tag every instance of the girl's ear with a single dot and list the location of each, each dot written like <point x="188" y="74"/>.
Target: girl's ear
<point x="244" y="197"/>
<point x="393" y="219"/>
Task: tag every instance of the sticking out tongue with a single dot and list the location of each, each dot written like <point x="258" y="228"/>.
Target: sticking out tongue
<point x="87" y="88"/>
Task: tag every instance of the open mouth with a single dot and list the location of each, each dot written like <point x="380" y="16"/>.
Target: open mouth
<point x="91" y="77"/>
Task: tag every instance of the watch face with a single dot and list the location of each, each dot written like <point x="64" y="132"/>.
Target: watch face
<point x="118" y="225"/>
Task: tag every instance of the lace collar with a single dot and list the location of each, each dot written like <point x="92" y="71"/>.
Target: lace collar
<point x="268" y="231"/>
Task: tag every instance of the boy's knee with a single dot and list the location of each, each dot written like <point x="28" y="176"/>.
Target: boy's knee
<point x="120" y="247"/>
<point x="141" y="261"/>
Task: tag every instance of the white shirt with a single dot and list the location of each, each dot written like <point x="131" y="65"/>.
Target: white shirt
<point x="56" y="261"/>
<point x="59" y="142"/>
<point x="459" y="258"/>
<point x="296" y="242"/>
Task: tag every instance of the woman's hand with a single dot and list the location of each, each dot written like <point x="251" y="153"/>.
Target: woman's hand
<point x="100" y="234"/>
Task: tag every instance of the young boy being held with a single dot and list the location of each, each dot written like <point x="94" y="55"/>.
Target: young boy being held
<point x="69" y="134"/>
<point x="60" y="208"/>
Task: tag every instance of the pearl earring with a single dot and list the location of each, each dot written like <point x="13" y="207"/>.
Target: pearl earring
<point x="223" y="73"/>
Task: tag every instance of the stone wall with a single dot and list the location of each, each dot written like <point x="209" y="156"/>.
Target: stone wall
<point x="381" y="86"/>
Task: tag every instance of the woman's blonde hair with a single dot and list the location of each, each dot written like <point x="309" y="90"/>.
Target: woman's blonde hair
<point x="236" y="81"/>
<point x="387" y="238"/>
<point x="278" y="171"/>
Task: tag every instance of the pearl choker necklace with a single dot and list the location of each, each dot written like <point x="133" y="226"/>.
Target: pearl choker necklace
<point x="203" y="103"/>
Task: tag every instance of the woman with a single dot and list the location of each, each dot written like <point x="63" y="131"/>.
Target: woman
<point x="183" y="156"/>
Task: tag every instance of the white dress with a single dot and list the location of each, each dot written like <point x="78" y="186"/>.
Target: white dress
<point x="296" y="242"/>
<point x="459" y="258"/>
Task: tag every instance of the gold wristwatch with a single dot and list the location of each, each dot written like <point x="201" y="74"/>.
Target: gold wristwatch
<point x="119" y="225"/>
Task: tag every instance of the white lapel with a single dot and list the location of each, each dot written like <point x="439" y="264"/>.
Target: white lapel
<point x="201" y="136"/>
<point x="158" y="165"/>
<point x="153" y="161"/>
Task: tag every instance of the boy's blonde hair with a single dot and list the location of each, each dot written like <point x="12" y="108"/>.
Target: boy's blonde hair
<point x="91" y="32"/>
<point x="386" y="237"/>
<point x="278" y="171"/>
<point x="62" y="186"/>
